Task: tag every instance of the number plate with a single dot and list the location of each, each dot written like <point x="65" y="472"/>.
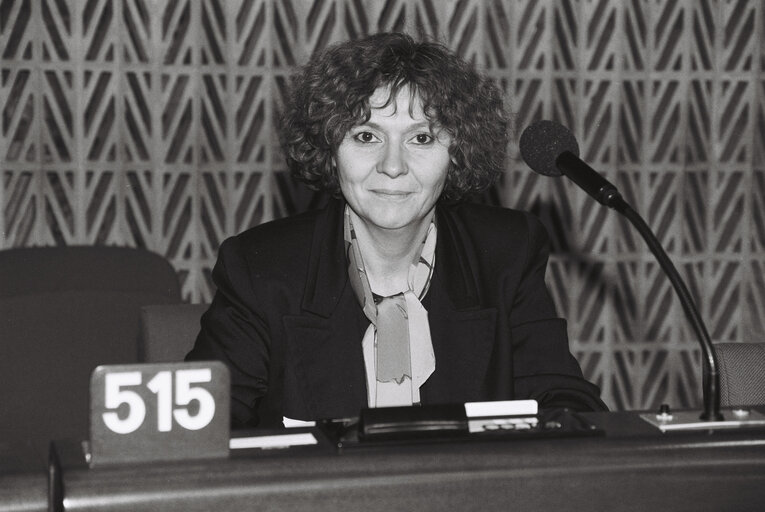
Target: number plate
<point x="164" y="411"/>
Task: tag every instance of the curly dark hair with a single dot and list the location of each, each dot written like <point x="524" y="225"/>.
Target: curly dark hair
<point x="330" y="95"/>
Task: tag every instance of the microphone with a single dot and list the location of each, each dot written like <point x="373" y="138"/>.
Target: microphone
<point x="551" y="149"/>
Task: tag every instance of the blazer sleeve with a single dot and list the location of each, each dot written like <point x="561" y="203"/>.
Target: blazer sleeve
<point x="543" y="366"/>
<point x="232" y="331"/>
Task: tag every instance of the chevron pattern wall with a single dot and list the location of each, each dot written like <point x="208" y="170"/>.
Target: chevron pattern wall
<point x="150" y="123"/>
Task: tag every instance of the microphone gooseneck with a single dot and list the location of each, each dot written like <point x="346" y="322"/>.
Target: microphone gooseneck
<point x="551" y="149"/>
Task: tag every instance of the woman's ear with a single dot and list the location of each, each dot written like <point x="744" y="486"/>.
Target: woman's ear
<point x="453" y="149"/>
<point x="331" y="167"/>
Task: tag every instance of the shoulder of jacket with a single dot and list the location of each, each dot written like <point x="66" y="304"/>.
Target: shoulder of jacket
<point x="492" y="217"/>
<point x="279" y="245"/>
<point x="279" y="231"/>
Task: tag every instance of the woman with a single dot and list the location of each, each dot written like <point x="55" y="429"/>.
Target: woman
<point x="396" y="293"/>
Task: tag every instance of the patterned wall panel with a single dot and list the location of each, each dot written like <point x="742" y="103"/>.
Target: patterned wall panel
<point x="151" y="124"/>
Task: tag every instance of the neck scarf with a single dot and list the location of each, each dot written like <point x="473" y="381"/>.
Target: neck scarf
<point x="398" y="351"/>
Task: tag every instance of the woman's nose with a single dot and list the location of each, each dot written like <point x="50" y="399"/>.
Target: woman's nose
<point x="393" y="162"/>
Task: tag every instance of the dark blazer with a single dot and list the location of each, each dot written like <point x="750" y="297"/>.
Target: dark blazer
<point x="286" y="322"/>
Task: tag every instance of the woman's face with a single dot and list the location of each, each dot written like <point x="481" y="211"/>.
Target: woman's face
<point x="392" y="168"/>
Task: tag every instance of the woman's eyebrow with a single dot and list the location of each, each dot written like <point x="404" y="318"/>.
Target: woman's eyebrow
<point x="418" y="125"/>
<point x="421" y="124"/>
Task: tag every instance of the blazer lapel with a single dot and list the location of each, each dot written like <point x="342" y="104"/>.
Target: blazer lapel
<point x="325" y="342"/>
<point x="462" y="328"/>
<point x="327" y="269"/>
<point x="327" y="363"/>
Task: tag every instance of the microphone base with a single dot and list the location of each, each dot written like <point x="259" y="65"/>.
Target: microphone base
<point x="733" y="419"/>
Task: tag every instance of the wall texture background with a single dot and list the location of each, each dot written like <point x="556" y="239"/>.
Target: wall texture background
<point x="151" y="123"/>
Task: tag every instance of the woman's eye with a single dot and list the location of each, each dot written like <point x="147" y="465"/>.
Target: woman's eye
<point x="423" y="138"/>
<point x="365" y="137"/>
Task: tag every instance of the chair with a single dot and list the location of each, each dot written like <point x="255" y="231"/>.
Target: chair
<point x="742" y="373"/>
<point x="64" y="311"/>
<point x="169" y="331"/>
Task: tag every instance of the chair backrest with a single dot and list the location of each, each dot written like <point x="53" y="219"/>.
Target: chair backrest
<point x="64" y="311"/>
<point x="169" y="331"/>
<point x="742" y="373"/>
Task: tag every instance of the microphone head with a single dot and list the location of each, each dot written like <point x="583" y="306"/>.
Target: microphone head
<point x="542" y="142"/>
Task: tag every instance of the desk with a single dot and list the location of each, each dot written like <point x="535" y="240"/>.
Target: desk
<point x="23" y="479"/>
<point x="633" y="467"/>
